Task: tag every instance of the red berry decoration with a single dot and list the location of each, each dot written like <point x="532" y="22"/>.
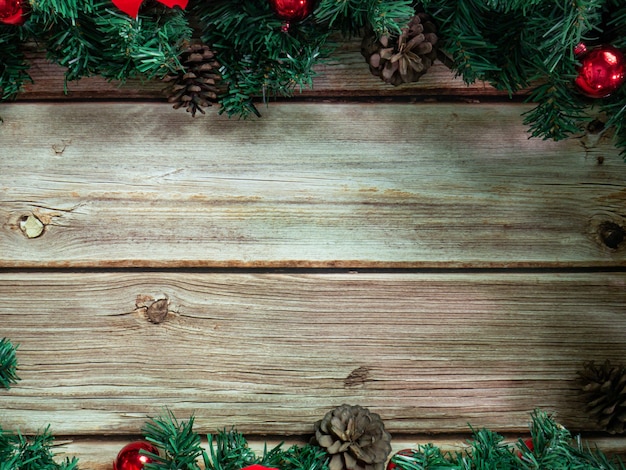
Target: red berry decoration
<point x="406" y="452"/>
<point x="602" y="71"/>
<point x="12" y="12"/>
<point x="129" y="458"/>
<point x="292" y="10"/>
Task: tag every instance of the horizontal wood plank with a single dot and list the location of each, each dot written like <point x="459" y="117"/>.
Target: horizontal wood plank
<point x="344" y="74"/>
<point x="271" y="353"/>
<point x="308" y="185"/>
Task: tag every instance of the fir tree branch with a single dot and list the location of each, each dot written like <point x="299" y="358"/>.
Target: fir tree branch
<point x="258" y="58"/>
<point x="228" y="450"/>
<point x="8" y="364"/>
<point x="559" y="112"/>
<point x="20" y="453"/>
<point x="179" y="444"/>
<point x="552" y="448"/>
<point x="13" y="65"/>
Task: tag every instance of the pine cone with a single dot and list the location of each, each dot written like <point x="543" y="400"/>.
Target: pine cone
<point x="355" y="438"/>
<point x="198" y="85"/>
<point x="403" y="59"/>
<point x="604" y="388"/>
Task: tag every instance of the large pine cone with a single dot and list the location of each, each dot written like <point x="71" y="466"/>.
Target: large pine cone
<point x="403" y="59"/>
<point x="604" y="388"/>
<point x="198" y="85"/>
<point x="355" y="438"/>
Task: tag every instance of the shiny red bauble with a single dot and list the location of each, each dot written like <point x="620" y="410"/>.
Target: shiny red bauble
<point x="12" y="12"/>
<point x="602" y="71"/>
<point x="130" y="457"/>
<point x="292" y="10"/>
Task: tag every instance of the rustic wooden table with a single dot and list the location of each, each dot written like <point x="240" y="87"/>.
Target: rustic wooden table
<point x="406" y="249"/>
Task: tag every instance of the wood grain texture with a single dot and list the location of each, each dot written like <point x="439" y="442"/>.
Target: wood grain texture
<point x="345" y="74"/>
<point x="308" y="185"/>
<point x="271" y="353"/>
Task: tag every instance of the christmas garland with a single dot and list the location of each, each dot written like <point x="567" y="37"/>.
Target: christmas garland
<point x="233" y="52"/>
<point x="348" y="437"/>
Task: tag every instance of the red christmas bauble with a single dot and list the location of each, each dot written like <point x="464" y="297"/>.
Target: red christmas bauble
<point x="292" y="10"/>
<point x="407" y="452"/>
<point x="129" y="458"/>
<point x="602" y="71"/>
<point x="12" y="12"/>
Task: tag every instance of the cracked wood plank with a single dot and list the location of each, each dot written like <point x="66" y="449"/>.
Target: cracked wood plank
<point x="308" y="185"/>
<point x="271" y="353"/>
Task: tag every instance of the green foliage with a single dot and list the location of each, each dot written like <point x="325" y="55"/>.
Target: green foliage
<point x="180" y="449"/>
<point x="179" y="445"/>
<point x="259" y="59"/>
<point x="351" y="16"/>
<point x="18" y="452"/>
<point x="13" y="66"/>
<point x="8" y="364"/>
<point x="552" y="448"/>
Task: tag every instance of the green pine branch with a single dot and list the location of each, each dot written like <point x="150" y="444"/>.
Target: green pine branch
<point x="351" y="16"/>
<point x="18" y="452"/>
<point x="552" y="448"/>
<point x="13" y="65"/>
<point x="258" y="58"/>
<point x="179" y="445"/>
<point x="8" y="364"/>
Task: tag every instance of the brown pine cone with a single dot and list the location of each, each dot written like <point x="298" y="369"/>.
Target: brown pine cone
<point x="354" y="437"/>
<point x="198" y="85"/>
<point x="403" y="59"/>
<point x="604" y="388"/>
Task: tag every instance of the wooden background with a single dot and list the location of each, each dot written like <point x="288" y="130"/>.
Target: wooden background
<point x="407" y="249"/>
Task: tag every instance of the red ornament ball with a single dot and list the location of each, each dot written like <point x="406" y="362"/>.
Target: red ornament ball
<point x="602" y="71"/>
<point x="406" y="452"/>
<point x="292" y="10"/>
<point x="129" y="458"/>
<point x="12" y="12"/>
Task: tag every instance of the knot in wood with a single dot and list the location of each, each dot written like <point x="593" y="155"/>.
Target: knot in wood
<point x="157" y="311"/>
<point x="31" y="226"/>
<point x="611" y="234"/>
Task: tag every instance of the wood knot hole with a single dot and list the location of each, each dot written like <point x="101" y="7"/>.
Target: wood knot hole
<point x="357" y="377"/>
<point x="611" y="234"/>
<point x="31" y="226"/>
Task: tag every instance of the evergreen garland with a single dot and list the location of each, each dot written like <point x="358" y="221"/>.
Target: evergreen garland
<point x="551" y="447"/>
<point x="512" y="44"/>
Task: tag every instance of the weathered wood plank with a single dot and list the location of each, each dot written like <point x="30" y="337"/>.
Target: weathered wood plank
<point x="99" y="454"/>
<point x="271" y="353"/>
<point x="307" y="185"/>
<point x="344" y="75"/>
